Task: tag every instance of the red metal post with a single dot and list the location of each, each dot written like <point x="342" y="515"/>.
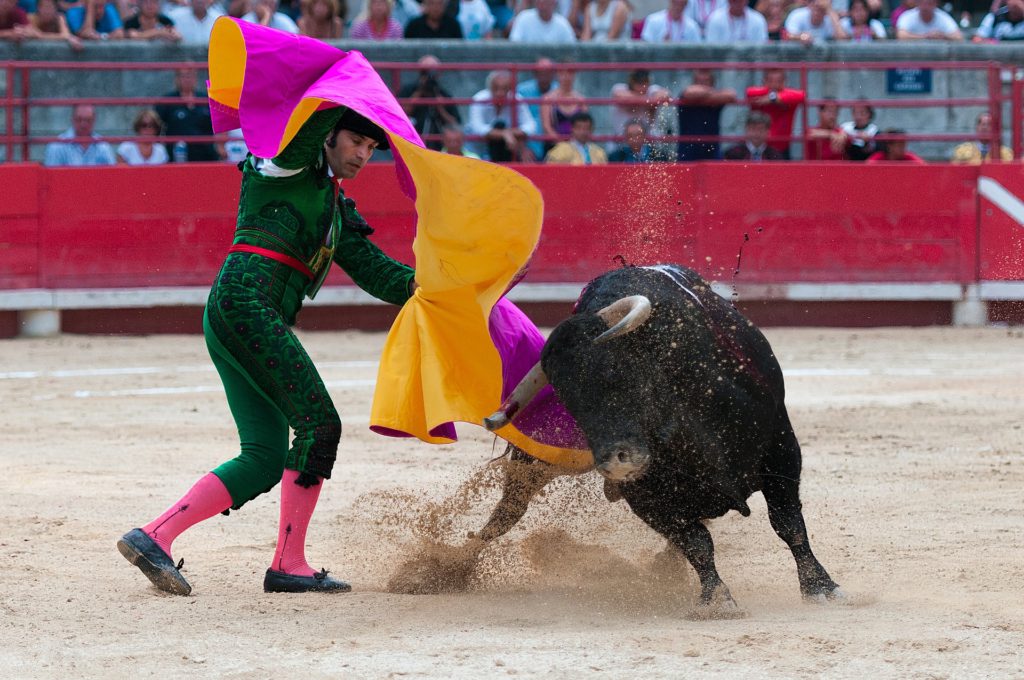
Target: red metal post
<point x="805" y="116"/>
<point x="9" y="113"/>
<point x="26" y="78"/>
<point x="1016" y="105"/>
<point x="995" y="109"/>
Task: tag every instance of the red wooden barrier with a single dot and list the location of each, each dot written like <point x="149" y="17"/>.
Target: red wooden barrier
<point x="169" y="226"/>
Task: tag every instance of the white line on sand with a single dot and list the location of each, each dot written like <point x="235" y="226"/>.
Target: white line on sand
<point x="152" y="370"/>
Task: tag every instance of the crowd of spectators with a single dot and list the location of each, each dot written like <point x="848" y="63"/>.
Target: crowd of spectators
<point x="652" y="124"/>
<point x="533" y="21"/>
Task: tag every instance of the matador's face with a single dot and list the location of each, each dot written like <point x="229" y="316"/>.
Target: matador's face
<point x="350" y="152"/>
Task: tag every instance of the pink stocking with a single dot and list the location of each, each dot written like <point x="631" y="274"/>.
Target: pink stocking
<point x="206" y="498"/>
<point x="297" y="504"/>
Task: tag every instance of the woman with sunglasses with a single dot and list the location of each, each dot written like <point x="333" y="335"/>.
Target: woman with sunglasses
<point x="144" y="151"/>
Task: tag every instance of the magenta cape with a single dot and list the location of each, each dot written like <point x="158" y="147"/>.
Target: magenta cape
<point x="458" y="347"/>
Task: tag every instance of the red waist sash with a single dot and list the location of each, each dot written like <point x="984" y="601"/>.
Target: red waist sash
<point x="297" y="265"/>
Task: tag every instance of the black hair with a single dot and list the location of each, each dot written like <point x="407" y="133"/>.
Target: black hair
<point x="581" y="116"/>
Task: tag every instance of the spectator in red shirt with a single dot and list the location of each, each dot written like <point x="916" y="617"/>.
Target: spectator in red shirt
<point x="826" y="141"/>
<point x="780" y="103"/>
<point x="13" y="21"/>
<point x="894" y="149"/>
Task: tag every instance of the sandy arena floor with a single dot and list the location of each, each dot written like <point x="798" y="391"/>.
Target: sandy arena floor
<point x="912" y="488"/>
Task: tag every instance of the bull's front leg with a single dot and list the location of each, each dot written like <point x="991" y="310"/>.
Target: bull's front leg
<point x="525" y="476"/>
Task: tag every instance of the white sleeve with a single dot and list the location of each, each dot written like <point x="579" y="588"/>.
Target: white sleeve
<point x="760" y="34"/>
<point x="877" y="28"/>
<point x="903" y="23"/>
<point x="653" y="31"/>
<point x="516" y="34"/>
<point x="475" y="125"/>
<point x="949" y="24"/>
<point x="570" y="35"/>
<point x="526" y="121"/>
<point x="713" y="32"/>
<point x="985" y="29"/>
<point x="691" y="31"/>
<point x="793" y="22"/>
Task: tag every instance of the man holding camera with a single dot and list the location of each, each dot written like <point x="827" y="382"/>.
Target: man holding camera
<point x="429" y="119"/>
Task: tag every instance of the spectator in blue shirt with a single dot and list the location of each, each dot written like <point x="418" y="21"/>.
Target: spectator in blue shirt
<point x="83" y="120"/>
<point x="96" y="20"/>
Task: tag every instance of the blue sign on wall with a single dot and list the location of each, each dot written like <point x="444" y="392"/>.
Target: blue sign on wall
<point x="908" y="81"/>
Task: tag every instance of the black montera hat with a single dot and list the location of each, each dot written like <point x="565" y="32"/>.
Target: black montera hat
<point x="353" y="121"/>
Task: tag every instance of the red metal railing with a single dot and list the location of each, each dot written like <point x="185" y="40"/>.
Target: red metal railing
<point x="23" y="103"/>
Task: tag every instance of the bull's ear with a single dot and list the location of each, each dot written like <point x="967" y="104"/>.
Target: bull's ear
<point x="624" y="316"/>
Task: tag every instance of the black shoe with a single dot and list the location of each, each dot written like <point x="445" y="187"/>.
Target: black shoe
<point x="142" y="551"/>
<point x="280" y="582"/>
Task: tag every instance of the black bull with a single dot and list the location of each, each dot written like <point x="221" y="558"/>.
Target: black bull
<point x="681" y="400"/>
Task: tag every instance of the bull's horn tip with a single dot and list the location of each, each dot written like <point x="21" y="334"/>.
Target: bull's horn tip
<point x="495" y="421"/>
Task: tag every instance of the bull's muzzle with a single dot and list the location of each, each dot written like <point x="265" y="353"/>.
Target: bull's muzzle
<point x="625" y="464"/>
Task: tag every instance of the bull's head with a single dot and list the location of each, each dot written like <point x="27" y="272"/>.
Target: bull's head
<point x="592" y="399"/>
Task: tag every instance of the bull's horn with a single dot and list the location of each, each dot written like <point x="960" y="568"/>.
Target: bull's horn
<point x="532" y="383"/>
<point x="624" y="316"/>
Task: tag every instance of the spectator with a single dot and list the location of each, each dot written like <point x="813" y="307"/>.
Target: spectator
<point x="927" y="22"/>
<point x="195" y="21"/>
<point x="188" y="118"/>
<point x="557" y="118"/>
<point x="535" y="89"/>
<point x="775" y="17"/>
<point x="429" y="119"/>
<point x="859" y="26"/>
<point x="580" y="148"/>
<point x="95" y="20"/>
<point x="780" y="103"/>
<point x="860" y="133"/>
<point x="237" y="8"/>
<point x="14" y="24"/>
<point x="817" y="22"/>
<point x="49" y="24"/>
<point x="476" y="19"/>
<point x="83" y="120"/>
<point x="606" y="21"/>
<point x="755" y="145"/>
<point x="541" y="24"/>
<point x="322" y="19"/>
<point x="637" y="99"/>
<point x="144" y="152"/>
<point x="454" y="140"/>
<point x="636" y="149"/>
<point x="491" y="116"/>
<point x="433" y="24"/>
<point x="503" y="13"/>
<point x="377" y="24"/>
<point x="700" y="11"/>
<point x="736" y="23"/>
<point x="1006" y="23"/>
<point x="826" y="141"/>
<point x="235" y="148"/>
<point x="899" y="10"/>
<point x="670" y="25"/>
<point x="150" y="24"/>
<point x="264" y="13"/>
<point x="894" y="149"/>
<point x="700" y="113"/>
<point x="974" y="152"/>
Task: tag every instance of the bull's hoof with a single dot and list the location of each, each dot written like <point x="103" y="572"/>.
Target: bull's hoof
<point x="717" y="605"/>
<point x="832" y="596"/>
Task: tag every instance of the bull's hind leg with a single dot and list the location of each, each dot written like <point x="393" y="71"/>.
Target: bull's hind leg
<point x="782" y="494"/>
<point x="525" y="476"/>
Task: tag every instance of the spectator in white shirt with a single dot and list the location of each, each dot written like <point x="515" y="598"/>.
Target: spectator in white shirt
<point x="927" y="22"/>
<point x="476" y="19"/>
<point x="671" y="25"/>
<point x="700" y="11"/>
<point x="541" y="25"/>
<point x="736" y="23"/>
<point x="265" y="12"/>
<point x="815" y="23"/>
<point x="490" y="116"/>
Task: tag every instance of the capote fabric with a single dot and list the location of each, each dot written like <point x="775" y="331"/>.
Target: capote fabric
<point x="458" y="347"/>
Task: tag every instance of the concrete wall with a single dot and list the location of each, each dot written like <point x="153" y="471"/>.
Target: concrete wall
<point x="848" y="84"/>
